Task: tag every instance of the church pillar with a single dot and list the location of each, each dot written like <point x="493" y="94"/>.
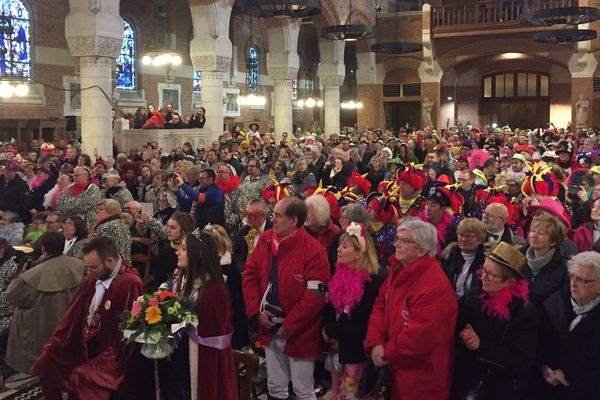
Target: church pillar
<point x="95" y="37"/>
<point x="430" y="73"/>
<point x="282" y="64"/>
<point x="331" y="75"/>
<point x="369" y="90"/>
<point x="210" y="51"/>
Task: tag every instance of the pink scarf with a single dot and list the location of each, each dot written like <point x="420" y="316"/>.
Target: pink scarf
<point x="37" y="182"/>
<point x="277" y="240"/>
<point x="346" y="288"/>
<point x="498" y="306"/>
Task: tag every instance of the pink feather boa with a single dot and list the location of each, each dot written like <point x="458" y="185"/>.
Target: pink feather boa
<point x="498" y="306"/>
<point x="441" y="227"/>
<point x="346" y="288"/>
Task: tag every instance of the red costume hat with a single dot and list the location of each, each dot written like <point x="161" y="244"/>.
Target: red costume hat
<point x="416" y="178"/>
<point x="541" y="182"/>
<point x="361" y="181"/>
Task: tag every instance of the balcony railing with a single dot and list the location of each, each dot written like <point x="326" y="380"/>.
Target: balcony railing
<point x="489" y="13"/>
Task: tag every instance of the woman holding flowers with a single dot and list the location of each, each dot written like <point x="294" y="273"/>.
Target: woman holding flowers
<point x="351" y="295"/>
<point x="202" y="365"/>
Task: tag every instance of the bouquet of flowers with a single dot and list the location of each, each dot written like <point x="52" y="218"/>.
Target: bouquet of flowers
<point x="156" y="319"/>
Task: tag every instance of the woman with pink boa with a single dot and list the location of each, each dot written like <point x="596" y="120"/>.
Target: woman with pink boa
<point x="351" y="295"/>
<point x="62" y="183"/>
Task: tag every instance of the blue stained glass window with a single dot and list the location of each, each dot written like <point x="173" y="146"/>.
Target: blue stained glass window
<point x="197" y="81"/>
<point x="252" y="69"/>
<point x="15" y="55"/>
<point x="125" y="75"/>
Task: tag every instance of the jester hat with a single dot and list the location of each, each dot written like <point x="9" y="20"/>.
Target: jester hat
<point x="541" y="182"/>
<point x="416" y="178"/>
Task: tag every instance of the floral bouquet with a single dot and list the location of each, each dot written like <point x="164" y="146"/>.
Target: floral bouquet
<point x="156" y="319"/>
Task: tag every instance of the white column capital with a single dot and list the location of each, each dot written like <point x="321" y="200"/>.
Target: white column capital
<point x="211" y="48"/>
<point x="430" y="72"/>
<point x="94" y="31"/>
<point x="582" y="65"/>
<point x="368" y="71"/>
<point x="282" y="60"/>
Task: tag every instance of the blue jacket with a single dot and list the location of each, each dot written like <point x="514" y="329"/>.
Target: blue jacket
<point x="210" y="204"/>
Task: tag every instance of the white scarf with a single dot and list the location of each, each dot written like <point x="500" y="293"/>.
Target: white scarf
<point x="582" y="310"/>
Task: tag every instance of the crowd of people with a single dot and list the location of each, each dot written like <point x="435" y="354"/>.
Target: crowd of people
<point x="461" y="264"/>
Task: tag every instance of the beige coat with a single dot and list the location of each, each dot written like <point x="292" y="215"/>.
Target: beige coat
<point x="41" y="296"/>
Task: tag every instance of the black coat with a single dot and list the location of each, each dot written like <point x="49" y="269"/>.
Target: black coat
<point x="506" y="351"/>
<point x="453" y="265"/>
<point x="35" y="197"/>
<point x="552" y="277"/>
<point x="241" y="336"/>
<point x="576" y="353"/>
<point x="351" y="331"/>
<point x="12" y="194"/>
<point x="240" y="247"/>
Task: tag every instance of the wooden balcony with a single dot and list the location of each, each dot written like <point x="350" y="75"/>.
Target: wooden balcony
<point x="488" y="15"/>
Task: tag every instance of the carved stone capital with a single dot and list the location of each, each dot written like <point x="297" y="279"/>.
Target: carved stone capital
<point x="96" y="62"/>
<point x="208" y="62"/>
<point x="102" y="46"/>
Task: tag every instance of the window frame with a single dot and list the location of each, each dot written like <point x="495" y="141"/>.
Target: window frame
<point x="515" y="86"/>
<point x="134" y="75"/>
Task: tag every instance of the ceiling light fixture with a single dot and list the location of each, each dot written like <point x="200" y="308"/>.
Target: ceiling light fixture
<point x="280" y="8"/>
<point x="350" y="32"/>
<point x="396" y="47"/>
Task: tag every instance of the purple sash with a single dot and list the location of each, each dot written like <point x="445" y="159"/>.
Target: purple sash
<point x="216" y="342"/>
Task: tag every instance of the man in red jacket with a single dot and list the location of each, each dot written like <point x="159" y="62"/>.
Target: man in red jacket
<point x="411" y="329"/>
<point x="281" y="288"/>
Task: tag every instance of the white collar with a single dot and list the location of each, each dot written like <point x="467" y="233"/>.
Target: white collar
<point x="106" y="283"/>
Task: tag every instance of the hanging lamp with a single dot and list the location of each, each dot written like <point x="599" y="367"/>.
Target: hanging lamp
<point x="350" y="32"/>
<point x="280" y="8"/>
<point x="397" y="46"/>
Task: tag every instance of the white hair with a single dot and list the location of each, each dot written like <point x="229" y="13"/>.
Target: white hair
<point x="424" y="234"/>
<point x="590" y="259"/>
<point x="321" y="208"/>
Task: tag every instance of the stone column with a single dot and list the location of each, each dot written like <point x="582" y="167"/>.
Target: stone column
<point x="430" y="71"/>
<point x="369" y="90"/>
<point x="210" y="51"/>
<point x="282" y="64"/>
<point x="331" y="76"/>
<point x="582" y="66"/>
<point x="95" y="37"/>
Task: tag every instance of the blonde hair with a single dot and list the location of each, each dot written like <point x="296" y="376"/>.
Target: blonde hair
<point x="111" y="206"/>
<point x="368" y="259"/>
<point x="473" y="226"/>
<point x="221" y="237"/>
<point x="551" y="225"/>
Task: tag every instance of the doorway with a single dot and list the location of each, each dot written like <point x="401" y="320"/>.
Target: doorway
<point x="517" y="114"/>
<point x="400" y="113"/>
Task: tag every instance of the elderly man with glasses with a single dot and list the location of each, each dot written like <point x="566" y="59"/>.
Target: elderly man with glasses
<point x="246" y="238"/>
<point x="411" y="329"/>
<point x="495" y="218"/>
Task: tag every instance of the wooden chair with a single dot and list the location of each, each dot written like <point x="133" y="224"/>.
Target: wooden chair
<point x="143" y="258"/>
<point x="250" y="385"/>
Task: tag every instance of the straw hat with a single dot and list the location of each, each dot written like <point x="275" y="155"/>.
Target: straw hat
<point x="508" y="256"/>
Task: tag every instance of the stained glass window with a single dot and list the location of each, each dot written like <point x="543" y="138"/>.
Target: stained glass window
<point x="15" y="56"/>
<point x="252" y="69"/>
<point x="126" y="60"/>
<point x="197" y="81"/>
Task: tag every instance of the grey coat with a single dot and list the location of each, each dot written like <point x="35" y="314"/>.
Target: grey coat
<point x="41" y="296"/>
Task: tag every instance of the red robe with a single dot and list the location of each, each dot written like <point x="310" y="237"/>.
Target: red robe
<point x="118" y="366"/>
<point x="216" y="375"/>
<point x="413" y="319"/>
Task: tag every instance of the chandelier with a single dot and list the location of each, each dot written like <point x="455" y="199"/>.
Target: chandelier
<point x="161" y="57"/>
<point x="309" y="103"/>
<point x="350" y="32"/>
<point x="161" y="53"/>
<point x="568" y="16"/>
<point x="351" y="105"/>
<point x="280" y="8"/>
<point x="564" y="36"/>
<point x="252" y="100"/>
<point x="396" y="47"/>
<point x="8" y="89"/>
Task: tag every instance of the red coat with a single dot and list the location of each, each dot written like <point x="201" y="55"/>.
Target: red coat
<point x="414" y="318"/>
<point x="155" y="121"/>
<point x="301" y="259"/>
<point x="118" y="367"/>
<point x="217" y="377"/>
<point x="584" y="236"/>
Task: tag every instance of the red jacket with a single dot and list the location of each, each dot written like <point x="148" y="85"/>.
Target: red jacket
<point x="584" y="236"/>
<point x="300" y="259"/>
<point x="414" y="318"/>
<point x="155" y="121"/>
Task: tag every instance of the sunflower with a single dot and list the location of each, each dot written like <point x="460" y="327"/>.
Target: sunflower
<point x="153" y="315"/>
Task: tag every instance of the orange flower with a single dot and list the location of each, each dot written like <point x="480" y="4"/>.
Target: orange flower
<point x="153" y="315"/>
<point x="166" y="295"/>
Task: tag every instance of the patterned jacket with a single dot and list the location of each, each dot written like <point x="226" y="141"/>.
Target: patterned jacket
<point x="8" y="270"/>
<point x="122" y="195"/>
<point x="84" y="204"/>
<point x="115" y="229"/>
<point x="239" y="199"/>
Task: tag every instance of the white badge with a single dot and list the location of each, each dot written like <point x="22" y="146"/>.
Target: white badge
<point x="107" y="305"/>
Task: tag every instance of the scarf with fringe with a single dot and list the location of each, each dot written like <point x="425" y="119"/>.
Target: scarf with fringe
<point x="346" y="288"/>
<point x="497" y="307"/>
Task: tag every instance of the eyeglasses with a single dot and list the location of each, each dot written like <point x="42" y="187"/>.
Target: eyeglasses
<point x="467" y="235"/>
<point x="490" y="215"/>
<point x="488" y="274"/>
<point x="253" y="214"/>
<point x="579" y="280"/>
<point x="404" y="241"/>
